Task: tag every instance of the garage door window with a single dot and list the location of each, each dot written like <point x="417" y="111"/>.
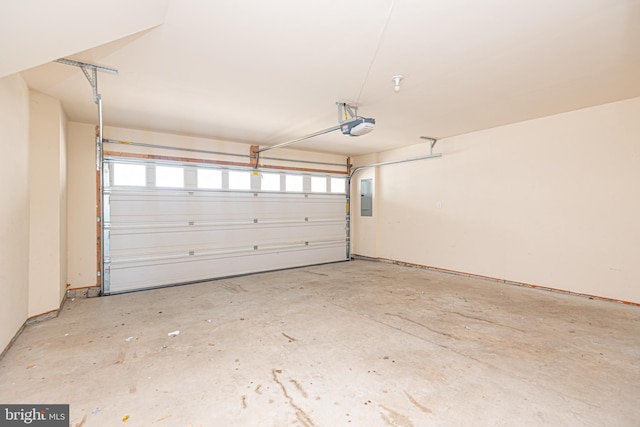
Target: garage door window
<point x="338" y="185"/>
<point x="270" y="182"/>
<point x="169" y="176"/>
<point x="129" y="175"/>
<point x="318" y="184"/>
<point x="239" y="180"/>
<point x="209" y="179"/>
<point x="294" y="183"/>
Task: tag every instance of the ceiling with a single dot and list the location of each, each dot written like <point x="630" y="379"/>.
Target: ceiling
<point x="268" y="72"/>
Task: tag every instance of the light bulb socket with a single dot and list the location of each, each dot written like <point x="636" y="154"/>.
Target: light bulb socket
<point x="397" y="79"/>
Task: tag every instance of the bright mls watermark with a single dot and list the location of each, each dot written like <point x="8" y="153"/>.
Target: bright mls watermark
<point x="34" y="415"/>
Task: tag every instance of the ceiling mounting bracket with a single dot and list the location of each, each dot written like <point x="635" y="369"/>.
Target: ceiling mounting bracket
<point x="432" y="142"/>
<point x="90" y="72"/>
<point x="346" y="112"/>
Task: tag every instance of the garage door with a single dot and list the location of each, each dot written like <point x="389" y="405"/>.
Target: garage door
<point x="172" y="223"/>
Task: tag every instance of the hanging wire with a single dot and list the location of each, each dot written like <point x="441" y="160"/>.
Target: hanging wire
<point x="375" y="53"/>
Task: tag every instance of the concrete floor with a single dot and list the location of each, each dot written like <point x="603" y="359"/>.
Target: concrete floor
<point x="357" y="343"/>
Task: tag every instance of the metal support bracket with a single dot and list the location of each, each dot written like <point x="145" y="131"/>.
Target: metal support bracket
<point x="93" y="81"/>
<point x="346" y="112"/>
<point x="90" y="72"/>
<point x="432" y="142"/>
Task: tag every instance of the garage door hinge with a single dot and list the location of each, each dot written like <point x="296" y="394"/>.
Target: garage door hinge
<point x="255" y="220"/>
<point x="192" y="252"/>
<point x="191" y="222"/>
<point x="255" y="247"/>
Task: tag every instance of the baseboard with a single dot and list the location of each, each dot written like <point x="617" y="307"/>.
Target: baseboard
<point x="493" y="279"/>
<point x="13" y="340"/>
<point x="84" y="292"/>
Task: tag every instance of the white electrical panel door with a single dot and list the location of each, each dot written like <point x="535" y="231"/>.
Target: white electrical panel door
<point x="181" y="232"/>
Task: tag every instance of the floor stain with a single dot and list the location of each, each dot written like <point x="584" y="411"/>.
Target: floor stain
<point x="244" y="402"/>
<point x="423" y="326"/>
<point x="300" y="414"/>
<point x="291" y="339"/>
<point x="317" y="274"/>
<point x="299" y="387"/>
<point x="161" y="419"/>
<point x="418" y="405"/>
<point x="486" y="321"/>
<point x="446" y="347"/>
<point x="232" y="287"/>
<point x="82" y="421"/>
<point x="395" y="419"/>
<point x="121" y="357"/>
<point x="132" y="389"/>
<point x="257" y="390"/>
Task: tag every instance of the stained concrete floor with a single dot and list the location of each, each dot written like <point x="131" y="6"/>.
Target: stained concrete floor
<point x="350" y="344"/>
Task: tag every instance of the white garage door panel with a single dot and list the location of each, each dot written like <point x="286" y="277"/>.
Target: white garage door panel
<point x="147" y="275"/>
<point x="123" y="242"/>
<point x="161" y="236"/>
<point x="242" y="208"/>
<point x="151" y="207"/>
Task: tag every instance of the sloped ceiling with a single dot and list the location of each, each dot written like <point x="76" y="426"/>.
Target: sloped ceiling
<point x="265" y="72"/>
<point x="33" y="32"/>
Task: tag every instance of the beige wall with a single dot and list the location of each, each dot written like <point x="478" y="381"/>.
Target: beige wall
<point x="551" y="202"/>
<point x="364" y="237"/>
<point x="47" y="171"/>
<point x="14" y="209"/>
<point x="81" y="205"/>
<point x="82" y="255"/>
